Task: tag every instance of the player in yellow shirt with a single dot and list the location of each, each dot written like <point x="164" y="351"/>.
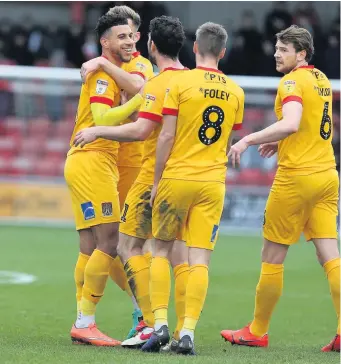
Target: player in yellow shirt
<point x="91" y="175"/>
<point x="200" y="110"/>
<point x="129" y="154"/>
<point x="165" y="41"/>
<point x="304" y="195"/>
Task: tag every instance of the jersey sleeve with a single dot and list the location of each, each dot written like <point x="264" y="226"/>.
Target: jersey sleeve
<point x="152" y="103"/>
<point x="240" y="112"/>
<point x="172" y="100"/>
<point x="102" y="89"/>
<point x="290" y="89"/>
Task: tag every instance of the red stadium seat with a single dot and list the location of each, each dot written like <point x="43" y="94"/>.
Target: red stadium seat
<point x="39" y="127"/>
<point x="47" y="167"/>
<point x="5" y="162"/>
<point x="15" y="126"/>
<point x="9" y="143"/>
<point x="63" y="129"/>
<point x="21" y="166"/>
<point x="254" y="115"/>
<point x="269" y="177"/>
<point x="31" y="147"/>
<point x="250" y="177"/>
<point x="57" y="148"/>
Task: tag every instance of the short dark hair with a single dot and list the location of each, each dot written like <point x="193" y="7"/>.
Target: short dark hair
<point x="106" y="21"/>
<point x="211" y="39"/>
<point x="301" y="39"/>
<point x="127" y="12"/>
<point x="168" y="35"/>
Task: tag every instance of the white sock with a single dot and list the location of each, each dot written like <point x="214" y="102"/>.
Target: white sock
<point x="84" y="321"/>
<point x="185" y="332"/>
<point x="135" y="304"/>
<point x="159" y="325"/>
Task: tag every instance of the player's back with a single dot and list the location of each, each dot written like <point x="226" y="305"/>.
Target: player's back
<point x="209" y="105"/>
<point x="154" y="94"/>
<point x="309" y="150"/>
<point x="98" y="88"/>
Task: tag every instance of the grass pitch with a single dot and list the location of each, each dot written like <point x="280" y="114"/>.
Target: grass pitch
<point x="36" y="318"/>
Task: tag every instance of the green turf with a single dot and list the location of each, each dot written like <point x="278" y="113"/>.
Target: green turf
<point x="35" y="319"/>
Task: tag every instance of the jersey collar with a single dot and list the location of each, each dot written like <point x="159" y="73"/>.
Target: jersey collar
<point x="136" y="54"/>
<point x="209" y="69"/>
<point x="174" y="69"/>
<point x="309" y="66"/>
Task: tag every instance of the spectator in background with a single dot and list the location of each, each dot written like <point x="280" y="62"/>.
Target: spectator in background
<point x="278" y="19"/>
<point x="74" y="42"/>
<point x="54" y="38"/>
<point x="307" y="9"/>
<point x="246" y="50"/>
<point x="267" y="65"/>
<point x="18" y="50"/>
<point x="90" y="47"/>
<point x="36" y="44"/>
<point x="332" y="57"/>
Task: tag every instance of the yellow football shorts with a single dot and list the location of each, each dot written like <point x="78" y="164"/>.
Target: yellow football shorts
<point x="127" y="178"/>
<point x="299" y="204"/>
<point x="190" y="209"/>
<point x="136" y="219"/>
<point x="92" y="178"/>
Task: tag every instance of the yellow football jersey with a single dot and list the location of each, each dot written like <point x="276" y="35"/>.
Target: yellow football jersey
<point x="130" y="154"/>
<point x="154" y="95"/>
<point x="310" y="149"/>
<point x="98" y="88"/>
<point x="208" y="105"/>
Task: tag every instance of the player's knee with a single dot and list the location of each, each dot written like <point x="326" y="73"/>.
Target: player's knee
<point x="162" y="248"/>
<point x="274" y="253"/>
<point x="326" y="249"/>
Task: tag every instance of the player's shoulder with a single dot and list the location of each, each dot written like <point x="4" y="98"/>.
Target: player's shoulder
<point x="99" y="75"/>
<point x="233" y="85"/>
<point x="165" y="76"/>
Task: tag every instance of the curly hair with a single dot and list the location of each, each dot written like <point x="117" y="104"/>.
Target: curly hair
<point x="168" y="35"/>
<point x="106" y="21"/>
<point x="300" y="38"/>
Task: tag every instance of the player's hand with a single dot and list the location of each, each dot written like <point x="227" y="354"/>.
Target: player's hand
<point x="267" y="150"/>
<point x="236" y="151"/>
<point x="90" y="66"/>
<point x="85" y="136"/>
<point x="152" y="195"/>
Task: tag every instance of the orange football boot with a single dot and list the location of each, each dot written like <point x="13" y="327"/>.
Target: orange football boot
<point x="334" y="345"/>
<point x="245" y="337"/>
<point x="91" y="336"/>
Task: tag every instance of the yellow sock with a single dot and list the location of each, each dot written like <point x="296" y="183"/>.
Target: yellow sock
<point x="79" y="277"/>
<point x="181" y="273"/>
<point x="95" y="279"/>
<point x="149" y="257"/>
<point x="138" y="274"/>
<point x="195" y="295"/>
<point x="118" y="275"/>
<point x="268" y="292"/>
<point x="160" y="285"/>
<point x="332" y="269"/>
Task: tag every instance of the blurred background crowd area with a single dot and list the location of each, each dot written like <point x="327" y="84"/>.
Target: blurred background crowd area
<point x="29" y="40"/>
<point x="37" y="116"/>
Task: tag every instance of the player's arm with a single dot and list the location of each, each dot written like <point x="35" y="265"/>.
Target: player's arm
<point x="164" y="146"/>
<point x="129" y="82"/>
<point x="290" y="92"/>
<point x="104" y="115"/>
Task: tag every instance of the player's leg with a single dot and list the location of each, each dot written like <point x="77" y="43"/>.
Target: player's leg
<point x="135" y="229"/>
<point x="98" y="209"/>
<point x="169" y="215"/>
<point x="178" y="258"/>
<point x="201" y="236"/>
<point x="127" y="177"/>
<point x="321" y="228"/>
<point x="283" y="224"/>
<point x="87" y="245"/>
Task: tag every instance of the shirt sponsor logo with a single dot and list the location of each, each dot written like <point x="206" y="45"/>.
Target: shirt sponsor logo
<point x="101" y="86"/>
